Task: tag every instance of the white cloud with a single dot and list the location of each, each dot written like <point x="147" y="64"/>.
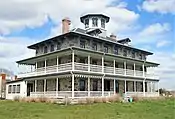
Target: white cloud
<point x="160" y="6"/>
<point x="155" y="29"/>
<point x="13" y="49"/>
<point x="18" y="14"/>
<point x="162" y="43"/>
<point x="166" y="70"/>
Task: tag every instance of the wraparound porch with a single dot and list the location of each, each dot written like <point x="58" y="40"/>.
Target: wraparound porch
<point x="75" y="86"/>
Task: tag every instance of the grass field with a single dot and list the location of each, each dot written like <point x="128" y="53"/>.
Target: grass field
<point x="140" y="110"/>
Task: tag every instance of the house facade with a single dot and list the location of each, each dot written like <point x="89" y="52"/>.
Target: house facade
<point x="85" y="63"/>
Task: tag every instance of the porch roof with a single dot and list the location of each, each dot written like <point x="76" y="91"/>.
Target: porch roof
<point x="85" y="53"/>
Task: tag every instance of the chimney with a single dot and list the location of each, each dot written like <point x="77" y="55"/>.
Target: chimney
<point x="113" y="37"/>
<point x="3" y="76"/>
<point x="65" y="25"/>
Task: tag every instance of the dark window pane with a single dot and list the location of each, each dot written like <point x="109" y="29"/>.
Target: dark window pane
<point x="95" y="85"/>
<point x="125" y="53"/>
<point x="94" y="46"/>
<point x="82" y="44"/>
<point x="86" y="23"/>
<point x="94" y="22"/>
<point x="102" y="23"/>
<point x="58" y="46"/>
<point x="133" y="54"/>
<point x="82" y="85"/>
<point x="116" y="50"/>
<point x="106" y="49"/>
<point x="45" y="49"/>
<point x="52" y="48"/>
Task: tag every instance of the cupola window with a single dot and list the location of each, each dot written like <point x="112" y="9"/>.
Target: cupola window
<point x="102" y="23"/>
<point x="86" y="23"/>
<point x="94" y="22"/>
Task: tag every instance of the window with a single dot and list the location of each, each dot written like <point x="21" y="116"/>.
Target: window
<point x="9" y="88"/>
<point x="94" y="22"/>
<point x="102" y="23"/>
<point x="125" y="52"/>
<point x="115" y="50"/>
<point x="95" y="85"/>
<point x="94" y="46"/>
<point x="58" y="46"/>
<point x="18" y="89"/>
<point x="106" y="49"/>
<point x="94" y="62"/>
<point x="133" y="54"/>
<point x="82" y="60"/>
<point x="86" y="23"/>
<point x="52" y="48"/>
<point x="140" y="56"/>
<point x="45" y="49"/>
<point x="82" y="85"/>
<point x="82" y="44"/>
<point x="13" y="88"/>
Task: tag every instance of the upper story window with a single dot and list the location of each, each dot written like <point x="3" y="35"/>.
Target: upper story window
<point x="125" y="52"/>
<point x="133" y="54"/>
<point x="140" y="56"/>
<point x="102" y="23"/>
<point x="86" y="23"/>
<point x="94" y="46"/>
<point x="144" y="57"/>
<point x="58" y="46"/>
<point x="106" y="49"/>
<point x="82" y="44"/>
<point x="116" y="50"/>
<point x="52" y="47"/>
<point x="45" y="49"/>
<point x="94" y="22"/>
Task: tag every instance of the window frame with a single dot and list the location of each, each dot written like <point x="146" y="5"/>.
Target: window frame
<point x="105" y="49"/>
<point x="86" y="22"/>
<point x="82" y="44"/>
<point x="95" y="22"/>
<point x="52" y="47"/>
<point x="45" y="49"/>
<point x="94" y="46"/>
<point x="103" y="23"/>
<point x="82" y="85"/>
<point x="95" y="85"/>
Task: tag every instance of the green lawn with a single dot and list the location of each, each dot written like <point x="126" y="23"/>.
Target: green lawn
<point x="140" y="110"/>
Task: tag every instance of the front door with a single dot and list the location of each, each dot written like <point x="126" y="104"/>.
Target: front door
<point x="107" y="85"/>
<point x="29" y="88"/>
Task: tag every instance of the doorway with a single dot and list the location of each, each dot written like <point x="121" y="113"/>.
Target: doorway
<point x="29" y="88"/>
<point x="107" y="85"/>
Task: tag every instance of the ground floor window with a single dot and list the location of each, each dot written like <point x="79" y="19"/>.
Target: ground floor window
<point x="95" y="85"/>
<point x="82" y="85"/>
<point x="14" y="88"/>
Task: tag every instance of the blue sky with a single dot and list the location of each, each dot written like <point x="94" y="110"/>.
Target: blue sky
<point x="148" y="23"/>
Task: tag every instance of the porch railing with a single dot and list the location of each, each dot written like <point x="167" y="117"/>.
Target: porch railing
<point x="84" y="67"/>
<point x="141" y="94"/>
<point x="63" y="94"/>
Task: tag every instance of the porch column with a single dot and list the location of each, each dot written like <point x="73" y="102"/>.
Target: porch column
<point x="102" y="86"/>
<point x="125" y="68"/>
<point x="89" y="87"/>
<point x="143" y="70"/>
<point x="125" y="86"/>
<point x="114" y="66"/>
<point x="114" y="87"/>
<point x="44" y="86"/>
<point x="57" y="63"/>
<point x="72" y="85"/>
<point x="56" y="87"/>
<point x="134" y="86"/>
<point x="102" y="60"/>
<point x="45" y="64"/>
<point x="89" y="63"/>
<point x="144" y="87"/>
<point x="134" y="69"/>
<point x="73" y="59"/>
<point x="35" y="85"/>
<point x="36" y="65"/>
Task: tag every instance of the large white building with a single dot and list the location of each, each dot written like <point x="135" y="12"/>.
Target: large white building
<point x="85" y="63"/>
